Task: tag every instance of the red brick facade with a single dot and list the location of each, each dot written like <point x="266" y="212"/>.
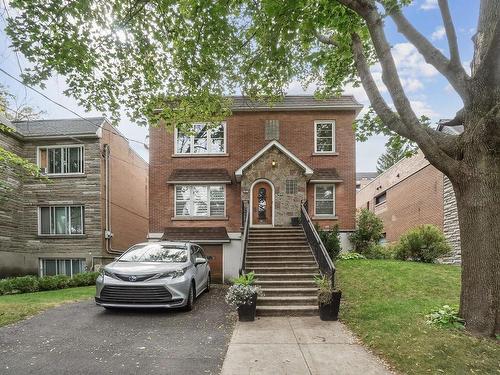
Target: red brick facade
<point x="245" y="133"/>
<point x="414" y="196"/>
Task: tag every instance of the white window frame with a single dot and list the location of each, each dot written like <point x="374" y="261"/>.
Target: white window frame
<point x="82" y="161"/>
<point x="51" y="207"/>
<point x="209" y="143"/>
<point x="316" y="123"/>
<point x="191" y="201"/>
<point x="334" y="201"/>
<point x="81" y="260"/>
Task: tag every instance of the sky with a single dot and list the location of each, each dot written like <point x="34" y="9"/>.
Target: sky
<point x="428" y="91"/>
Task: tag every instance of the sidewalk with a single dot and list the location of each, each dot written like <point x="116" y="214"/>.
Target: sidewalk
<point x="297" y="346"/>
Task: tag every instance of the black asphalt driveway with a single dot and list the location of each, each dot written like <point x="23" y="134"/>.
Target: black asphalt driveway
<point x="82" y="338"/>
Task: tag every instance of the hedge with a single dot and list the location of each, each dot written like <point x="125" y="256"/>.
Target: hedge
<point x="27" y="284"/>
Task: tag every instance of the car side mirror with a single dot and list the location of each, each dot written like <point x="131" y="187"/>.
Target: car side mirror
<point x="199" y="261"/>
<point x="210" y="257"/>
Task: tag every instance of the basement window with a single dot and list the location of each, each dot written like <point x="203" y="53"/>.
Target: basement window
<point x="68" y="267"/>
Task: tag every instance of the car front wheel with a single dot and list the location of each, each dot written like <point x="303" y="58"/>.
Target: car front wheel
<point x="190" y="299"/>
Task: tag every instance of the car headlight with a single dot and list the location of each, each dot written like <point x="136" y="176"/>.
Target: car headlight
<point x="105" y="272"/>
<point x="172" y="274"/>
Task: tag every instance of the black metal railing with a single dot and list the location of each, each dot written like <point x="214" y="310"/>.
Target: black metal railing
<point x="245" y="219"/>
<point x="324" y="261"/>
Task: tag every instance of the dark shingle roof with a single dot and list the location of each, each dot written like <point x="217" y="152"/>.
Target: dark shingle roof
<point x="325" y="174"/>
<point x="199" y="234"/>
<point x="199" y="175"/>
<point x="297" y="102"/>
<point x="59" y="127"/>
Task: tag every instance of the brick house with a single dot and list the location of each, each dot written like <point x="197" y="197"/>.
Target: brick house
<point x="93" y="205"/>
<point x="267" y="158"/>
<point x="410" y="193"/>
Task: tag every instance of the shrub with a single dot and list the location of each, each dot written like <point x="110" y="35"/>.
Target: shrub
<point x="445" y="316"/>
<point x="425" y="243"/>
<point x="245" y="279"/>
<point x="242" y="290"/>
<point x="378" y="251"/>
<point x="331" y="240"/>
<point x="369" y="231"/>
<point x="350" y="255"/>
<point x="26" y="284"/>
<point x="84" y="279"/>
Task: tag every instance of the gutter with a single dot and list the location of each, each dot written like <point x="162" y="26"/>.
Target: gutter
<point x="108" y="234"/>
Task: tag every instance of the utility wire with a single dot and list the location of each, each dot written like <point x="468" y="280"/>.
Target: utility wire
<point x="66" y="108"/>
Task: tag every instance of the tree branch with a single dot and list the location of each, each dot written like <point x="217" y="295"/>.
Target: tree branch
<point x="325" y="39"/>
<point x="451" y="35"/>
<point x="457" y="120"/>
<point x="437" y="146"/>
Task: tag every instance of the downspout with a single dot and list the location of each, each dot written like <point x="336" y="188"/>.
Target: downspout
<point x="108" y="235"/>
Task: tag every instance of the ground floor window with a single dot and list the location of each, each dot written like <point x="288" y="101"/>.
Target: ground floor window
<point x="57" y="220"/>
<point x="324" y="196"/>
<point x="68" y="267"/>
<point x="199" y="200"/>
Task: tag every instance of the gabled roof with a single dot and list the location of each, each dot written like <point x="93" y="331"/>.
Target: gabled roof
<point x="307" y="170"/>
<point x="297" y="102"/>
<point x="72" y="127"/>
<point x="215" y="175"/>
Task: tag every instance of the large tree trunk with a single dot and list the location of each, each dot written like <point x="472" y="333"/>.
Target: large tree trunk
<point x="478" y="201"/>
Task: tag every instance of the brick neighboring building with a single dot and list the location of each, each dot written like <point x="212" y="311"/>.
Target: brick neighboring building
<point x="59" y="226"/>
<point x="299" y="149"/>
<point x="410" y="193"/>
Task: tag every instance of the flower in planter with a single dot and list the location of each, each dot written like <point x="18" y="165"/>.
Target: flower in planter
<point x="328" y="298"/>
<point x="242" y="291"/>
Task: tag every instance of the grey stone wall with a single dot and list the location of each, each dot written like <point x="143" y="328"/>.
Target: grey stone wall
<point x="286" y="205"/>
<point x="81" y="190"/>
<point x="451" y="228"/>
<point x="11" y="199"/>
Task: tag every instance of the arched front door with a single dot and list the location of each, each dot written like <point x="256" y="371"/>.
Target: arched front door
<point x="262" y="204"/>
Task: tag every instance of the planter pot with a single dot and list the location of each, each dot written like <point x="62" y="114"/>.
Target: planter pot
<point x="295" y="221"/>
<point x="330" y="311"/>
<point x="246" y="313"/>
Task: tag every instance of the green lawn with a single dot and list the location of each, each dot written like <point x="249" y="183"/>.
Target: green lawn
<point x="385" y="303"/>
<point x="20" y="306"/>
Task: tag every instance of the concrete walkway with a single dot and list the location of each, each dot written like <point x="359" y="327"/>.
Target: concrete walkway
<point x="297" y="345"/>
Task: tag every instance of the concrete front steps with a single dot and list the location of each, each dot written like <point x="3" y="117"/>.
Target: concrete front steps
<point x="284" y="268"/>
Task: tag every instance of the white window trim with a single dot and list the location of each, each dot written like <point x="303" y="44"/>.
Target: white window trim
<point x="209" y="138"/>
<point x="333" y="151"/>
<point x="61" y="146"/>
<point x="334" y="201"/>
<point x="208" y="217"/>
<point x="41" y="274"/>
<point x="82" y="213"/>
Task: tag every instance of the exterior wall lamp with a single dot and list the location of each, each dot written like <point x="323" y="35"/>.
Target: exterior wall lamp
<point x="273" y="163"/>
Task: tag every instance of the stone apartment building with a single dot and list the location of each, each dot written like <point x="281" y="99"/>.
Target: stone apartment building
<point x="92" y="205"/>
<point x="266" y="158"/>
<point x="410" y="193"/>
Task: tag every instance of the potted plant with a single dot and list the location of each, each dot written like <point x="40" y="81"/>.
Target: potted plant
<point x="243" y="295"/>
<point x="328" y="298"/>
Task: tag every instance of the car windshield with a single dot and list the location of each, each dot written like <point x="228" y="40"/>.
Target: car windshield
<point x="155" y="253"/>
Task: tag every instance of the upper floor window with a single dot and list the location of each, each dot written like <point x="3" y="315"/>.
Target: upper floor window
<point x="324" y="196"/>
<point x="381" y="198"/>
<point x="61" y="159"/>
<point x="199" y="200"/>
<point x="202" y="139"/>
<point x="60" y="220"/>
<point x="324" y="136"/>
